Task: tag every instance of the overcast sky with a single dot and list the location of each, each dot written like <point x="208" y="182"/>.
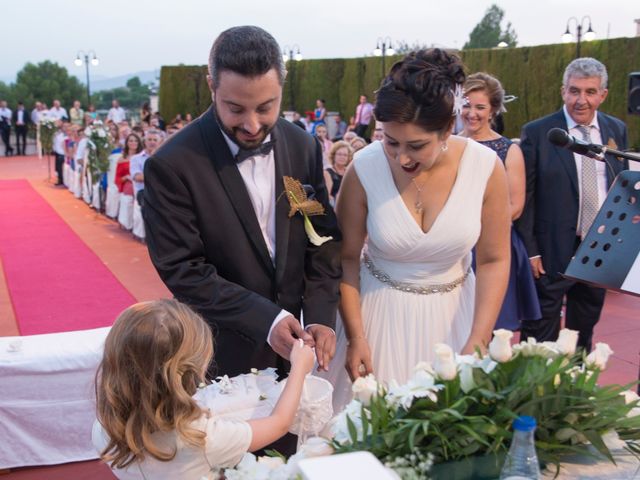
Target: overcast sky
<point x="135" y="35"/>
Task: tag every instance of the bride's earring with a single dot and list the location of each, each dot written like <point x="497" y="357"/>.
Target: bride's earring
<point x="444" y="147"/>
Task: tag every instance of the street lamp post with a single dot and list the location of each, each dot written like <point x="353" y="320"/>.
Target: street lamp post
<point x="288" y="56"/>
<point x="82" y="57"/>
<point x="383" y="48"/>
<point x="588" y="35"/>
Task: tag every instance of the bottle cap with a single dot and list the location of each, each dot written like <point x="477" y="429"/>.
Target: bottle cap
<point x="524" y="423"/>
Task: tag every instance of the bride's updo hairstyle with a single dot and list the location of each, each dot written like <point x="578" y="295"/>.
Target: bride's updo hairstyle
<point x="420" y="89"/>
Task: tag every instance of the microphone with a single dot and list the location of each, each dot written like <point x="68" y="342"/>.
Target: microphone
<point x="561" y="138"/>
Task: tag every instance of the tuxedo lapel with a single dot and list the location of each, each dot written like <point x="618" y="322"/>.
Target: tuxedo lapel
<point x="233" y="185"/>
<point x="565" y="156"/>
<point x="283" y="222"/>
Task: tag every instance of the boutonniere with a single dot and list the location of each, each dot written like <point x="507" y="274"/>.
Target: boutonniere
<point x="612" y="144"/>
<point x="306" y="207"/>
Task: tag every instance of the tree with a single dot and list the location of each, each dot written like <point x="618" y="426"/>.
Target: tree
<point x="488" y="33"/>
<point x="131" y="97"/>
<point x="45" y="82"/>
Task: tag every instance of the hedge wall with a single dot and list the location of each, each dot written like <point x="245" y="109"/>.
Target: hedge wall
<point x="533" y="74"/>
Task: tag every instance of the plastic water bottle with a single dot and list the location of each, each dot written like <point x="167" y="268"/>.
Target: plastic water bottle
<point x="522" y="462"/>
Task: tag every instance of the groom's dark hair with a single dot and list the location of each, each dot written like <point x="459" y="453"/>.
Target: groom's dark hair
<point x="249" y="51"/>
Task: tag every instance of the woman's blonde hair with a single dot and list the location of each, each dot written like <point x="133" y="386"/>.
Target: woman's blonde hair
<point x="337" y="146"/>
<point x="490" y="85"/>
<point x="155" y="356"/>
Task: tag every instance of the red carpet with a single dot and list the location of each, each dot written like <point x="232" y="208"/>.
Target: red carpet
<point x="55" y="281"/>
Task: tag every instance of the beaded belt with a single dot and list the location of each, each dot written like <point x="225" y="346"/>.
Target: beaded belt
<point x="409" y="287"/>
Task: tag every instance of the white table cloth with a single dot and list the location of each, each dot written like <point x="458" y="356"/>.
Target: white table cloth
<point x="47" y="401"/>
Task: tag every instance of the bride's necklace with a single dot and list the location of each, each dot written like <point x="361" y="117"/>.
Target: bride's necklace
<point x="418" y="203"/>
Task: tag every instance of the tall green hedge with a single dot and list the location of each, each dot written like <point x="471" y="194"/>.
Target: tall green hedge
<point x="533" y="74"/>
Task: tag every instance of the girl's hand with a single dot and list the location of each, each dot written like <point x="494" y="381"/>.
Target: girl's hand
<point x="301" y="357"/>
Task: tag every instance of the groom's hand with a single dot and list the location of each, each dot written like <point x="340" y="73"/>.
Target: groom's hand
<point x="325" y="341"/>
<point x="285" y="333"/>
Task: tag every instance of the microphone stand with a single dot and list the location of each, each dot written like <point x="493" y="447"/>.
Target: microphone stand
<point x="602" y="156"/>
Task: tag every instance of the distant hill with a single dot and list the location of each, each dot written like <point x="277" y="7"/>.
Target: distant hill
<point x="99" y="82"/>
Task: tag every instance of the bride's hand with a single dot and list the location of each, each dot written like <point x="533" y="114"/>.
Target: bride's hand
<point x="470" y="346"/>
<point x="358" y="358"/>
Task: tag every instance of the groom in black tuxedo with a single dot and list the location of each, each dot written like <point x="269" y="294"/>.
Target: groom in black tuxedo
<point x="564" y="192"/>
<point x="217" y="221"/>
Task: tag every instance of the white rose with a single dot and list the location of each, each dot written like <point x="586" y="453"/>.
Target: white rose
<point x="444" y="365"/>
<point x="271" y="462"/>
<point x="364" y="388"/>
<point x="102" y="133"/>
<point x="316" y="447"/>
<point x="567" y="341"/>
<point x="600" y="356"/>
<point x="630" y="396"/>
<point x="87" y="131"/>
<point x="500" y="346"/>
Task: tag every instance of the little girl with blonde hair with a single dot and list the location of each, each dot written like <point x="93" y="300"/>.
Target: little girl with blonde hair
<point x="148" y="425"/>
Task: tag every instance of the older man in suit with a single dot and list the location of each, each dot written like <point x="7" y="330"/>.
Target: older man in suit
<point x="564" y="194"/>
<point x="217" y="220"/>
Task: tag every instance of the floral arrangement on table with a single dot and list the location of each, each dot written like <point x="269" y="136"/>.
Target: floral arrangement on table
<point x="48" y="128"/>
<point x="100" y="147"/>
<point x="461" y="407"/>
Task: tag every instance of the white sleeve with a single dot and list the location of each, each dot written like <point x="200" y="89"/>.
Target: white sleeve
<point x="227" y="441"/>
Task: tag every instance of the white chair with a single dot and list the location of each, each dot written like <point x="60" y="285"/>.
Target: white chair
<point x="67" y="174"/>
<point x="138" y="223"/>
<point x="125" y="212"/>
<point x="113" y="196"/>
<point x="95" y="196"/>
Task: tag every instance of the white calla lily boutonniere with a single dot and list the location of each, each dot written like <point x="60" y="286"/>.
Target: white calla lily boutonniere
<point x="306" y="207"/>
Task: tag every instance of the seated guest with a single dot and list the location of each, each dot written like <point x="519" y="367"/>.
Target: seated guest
<point x="150" y="423"/>
<point x="341" y="128"/>
<point x="152" y="140"/>
<point x="485" y="99"/>
<point x="357" y="143"/>
<point x="123" y="179"/>
<point x="323" y="136"/>
<point x="340" y="157"/>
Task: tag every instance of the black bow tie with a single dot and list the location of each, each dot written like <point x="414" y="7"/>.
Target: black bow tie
<point x="264" y="149"/>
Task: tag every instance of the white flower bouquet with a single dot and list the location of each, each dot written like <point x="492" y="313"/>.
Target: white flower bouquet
<point x="461" y="407"/>
<point x="100" y="147"/>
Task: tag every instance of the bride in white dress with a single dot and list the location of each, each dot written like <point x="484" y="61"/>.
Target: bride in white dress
<point x="418" y="202"/>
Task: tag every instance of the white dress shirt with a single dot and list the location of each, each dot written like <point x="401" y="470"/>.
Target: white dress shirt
<point x="58" y="113"/>
<point x="6" y="114"/>
<point x="20" y="117"/>
<point x="116" y="115"/>
<point x="259" y="176"/>
<point x="137" y="166"/>
<point x="601" y="170"/>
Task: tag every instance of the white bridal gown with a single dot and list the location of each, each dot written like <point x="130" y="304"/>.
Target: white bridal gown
<point x="399" y="259"/>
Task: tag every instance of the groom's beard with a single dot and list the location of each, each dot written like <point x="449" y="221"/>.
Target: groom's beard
<point x="232" y="133"/>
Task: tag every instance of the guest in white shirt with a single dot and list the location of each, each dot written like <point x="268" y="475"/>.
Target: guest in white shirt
<point x="152" y="140"/>
<point x="58" y="112"/>
<point x="116" y="113"/>
<point x="5" y="127"/>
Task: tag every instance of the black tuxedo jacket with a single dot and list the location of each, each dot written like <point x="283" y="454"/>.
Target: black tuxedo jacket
<point x="26" y="117"/>
<point x="205" y="241"/>
<point x="549" y="220"/>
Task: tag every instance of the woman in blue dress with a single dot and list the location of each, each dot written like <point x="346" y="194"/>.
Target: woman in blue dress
<point x="318" y="114"/>
<point x="485" y="97"/>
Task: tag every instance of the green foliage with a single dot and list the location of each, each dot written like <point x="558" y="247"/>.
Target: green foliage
<point x="130" y="97"/>
<point x="563" y="396"/>
<point x="100" y="147"/>
<point x="533" y="74"/>
<point x="45" y="82"/>
<point x="183" y="90"/>
<point x="6" y="93"/>
<point x="48" y="129"/>
<point x="488" y="33"/>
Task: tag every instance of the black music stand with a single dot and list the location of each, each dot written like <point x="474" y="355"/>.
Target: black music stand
<point x="609" y="256"/>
